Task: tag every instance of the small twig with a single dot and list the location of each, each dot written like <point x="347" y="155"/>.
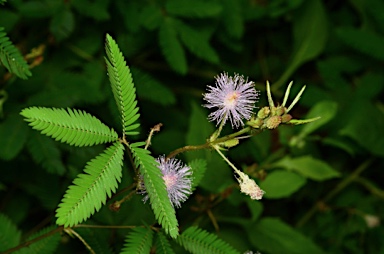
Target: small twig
<point x="27" y="243"/>
<point x="209" y="144"/>
<point x="70" y="231"/>
<point x="155" y="128"/>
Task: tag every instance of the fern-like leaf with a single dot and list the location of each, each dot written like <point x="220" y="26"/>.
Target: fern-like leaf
<point x="9" y="234"/>
<point x="197" y="241"/>
<point x="122" y="85"/>
<point x="89" y="191"/>
<point x="156" y="189"/>
<point x="138" y="241"/>
<point x="46" y="245"/>
<point x="11" y="58"/>
<point x="162" y="244"/>
<point x="71" y="126"/>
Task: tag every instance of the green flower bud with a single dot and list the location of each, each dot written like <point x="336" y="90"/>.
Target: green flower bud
<point x="273" y="122"/>
<point x="255" y="123"/>
<point x="263" y="112"/>
<point x="280" y="111"/>
<point x="286" y="118"/>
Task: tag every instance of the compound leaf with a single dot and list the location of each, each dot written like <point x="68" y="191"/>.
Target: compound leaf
<point x="90" y="190"/>
<point x="11" y="58"/>
<point x="71" y="126"/>
<point x="162" y="244"/>
<point x="156" y="189"/>
<point x="122" y="85"/>
<point x="138" y="241"/>
<point x="197" y="240"/>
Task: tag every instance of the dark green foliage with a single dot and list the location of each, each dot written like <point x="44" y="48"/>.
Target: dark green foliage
<point x="11" y="58"/>
<point x="98" y="241"/>
<point x="13" y="136"/>
<point x="9" y="234"/>
<point x="45" y="152"/>
<point x="47" y="245"/>
<point x="197" y="240"/>
<point x="285" y="239"/>
<point x="171" y="46"/>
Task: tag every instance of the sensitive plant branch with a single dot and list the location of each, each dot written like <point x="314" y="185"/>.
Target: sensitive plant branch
<point x="209" y="144"/>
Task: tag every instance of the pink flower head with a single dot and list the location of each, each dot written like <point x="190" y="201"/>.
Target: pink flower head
<point x="177" y="180"/>
<point x="233" y="97"/>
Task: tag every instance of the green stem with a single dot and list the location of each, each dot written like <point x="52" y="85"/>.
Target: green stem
<point x="344" y="183"/>
<point x="211" y="143"/>
<point x="226" y="160"/>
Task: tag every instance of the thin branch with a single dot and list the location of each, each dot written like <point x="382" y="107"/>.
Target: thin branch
<point x="27" y="243"/>
<point x="209" y="144"/>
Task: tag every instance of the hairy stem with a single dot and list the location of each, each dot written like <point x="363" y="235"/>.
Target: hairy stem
<point x="211" y="143"/>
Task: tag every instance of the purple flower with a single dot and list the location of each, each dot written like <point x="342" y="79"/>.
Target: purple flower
<point x="177" y="178"/>
<point x="234" y="99"/>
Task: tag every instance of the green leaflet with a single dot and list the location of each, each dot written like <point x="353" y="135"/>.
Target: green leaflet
<point x="11" y="58"/>
<point x="9" y="234"/>
<point x="197" y="240"/>
<point x="122" y="87"/>
<point x="162" y="244"/>
<point x="138" y="241"/>
<point x="155" y="187"/>
<point x="71" y="126"/>
<point x="90" y="190"/>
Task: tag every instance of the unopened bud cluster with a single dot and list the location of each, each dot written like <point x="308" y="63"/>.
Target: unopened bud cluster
<point x="270" y="118"/>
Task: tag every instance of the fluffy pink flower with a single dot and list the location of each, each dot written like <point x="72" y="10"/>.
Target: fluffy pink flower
<point x="233" y="97"/>
<point x="177" y="178"/>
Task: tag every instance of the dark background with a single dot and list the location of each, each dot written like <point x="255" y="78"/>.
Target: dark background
<point x="174" y="49"/>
